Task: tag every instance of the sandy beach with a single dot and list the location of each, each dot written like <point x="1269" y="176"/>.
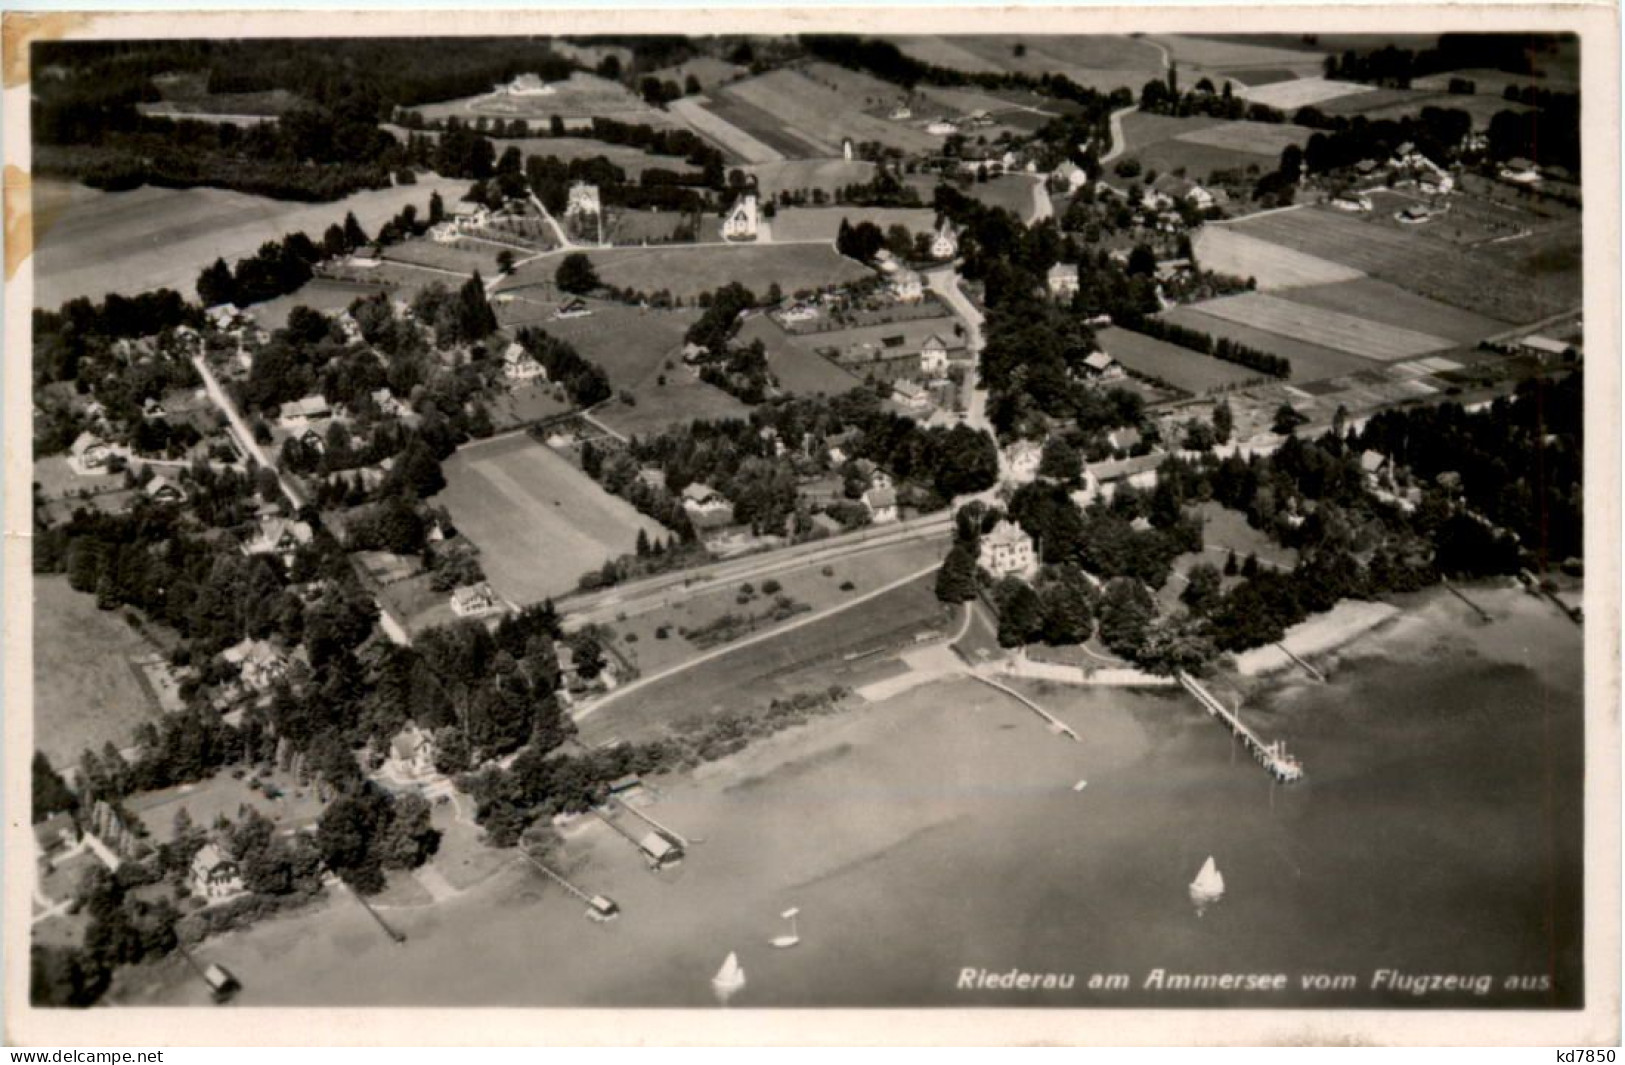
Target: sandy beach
<point x="941" y="830"/>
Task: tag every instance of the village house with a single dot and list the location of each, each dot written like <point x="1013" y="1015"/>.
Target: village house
<point x="259" y="663"/>
<point x="277" y="536"/>
<point x="797" y="311"/>
<point x="1351" y="202"/>
<point x="652" y="477"/>
<point x="1372" y="464"/>
<point x="907" y="286"/>
<point x="162" y="490"/>
<point x="470" y="215"/>
<point x="1520" y="171"/>
<point x="411" y="754"/>
<point x="706" y="505"/>
<point x="153" y="408"/>
<point x="1126" y="438"/>
<point x="888" y="361"/>
<point x="367" y="257"/>
<point x="214" y="874"/>
<point x="574" y="307"/>
<point x="945" y="244"/>
<point x="223" y="315"/>
<point x="444" y="233"/>
<point x="474" y="600"/>
<point x="1074" y="176"/>
<point x="1022" y="458"/>
<point x="1103" y="367"/>
<point x="901" y="113"/>
<point x="741" y="221"/>
<point x="881" y="503"/>
<point x="1063" y="280"/>
<point x="942" y="127"/>
<point x="301" y="412"/>
<point x="1139" y="471"/>
<point x="89" y="455"/>
<point x="519" y="366"/>
<point x="1007" y="551"/>
<point x="528" y="85"/>
<point x="934" y="356"/>
<point x="911" y="396"/>
<point x="1544" y="347"/>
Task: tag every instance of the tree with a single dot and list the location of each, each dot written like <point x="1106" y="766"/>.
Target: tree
<point x="353" y="233"/>
<point x="1021" y="612"/>
<point x="576" y="274"/>
<point x="475" y="319"/>
<point x="505" y="262"/>
<point x="1126" y="611"/>
<point x="215" y="285"/>
<point x="956" y="580"/>
<point x="1060" y="461"/>
<point x="1224" y="420"/>
<point x="691" y="86"/>
<point x="1202" y="586"/>
<point x="1287" y="420"/>
<point x="51" y="792"/>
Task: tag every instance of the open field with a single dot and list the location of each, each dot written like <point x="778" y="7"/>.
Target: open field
<point x="809" y="586"/>
<point x="222" y="795"/>
<point x="1258" y="138"/>
<point x="1100" y="62"/>
<point x="1168" y="144"/>
<point x="638" y="227"/>
<point x="525" y="404"/>
<point x="708" y="71"/>
<point x="688" y="270"/>
<point x="808" y="658"/>
<point x="464" y="257"/>
<point x="826" y="174"/>
<point x="969" y="101"/>
<point x="631" y="345"/>
<point x="764" y="126"/>
<point x="702" y="115"/>
<point x="539" y="522"/>
<point x="1397" y="103"/>
<point x="824" y="223"/>
<point x="90" y="243"/>
<point x="1379" y="301"/>
<point x="821" y="115"/>
<point x="1141" y="128"/>
<point x="319" y="294"/>
<point x="1013" y="192"/>
<point x="1310" y="362"/>
<point x="1227" y="250"/>
<point x="1518" y="281"/>
<point x="1181" y="367"/>
<point x="800" y="370"/>
<point x="632" y="160"/>
<point x="1265" y="76"/>
<point x="1319" y="325"/>
<point x="583" y="96"/>
<point x="87" y="691"/>
<point x="188" y="93"/>
<point x="1290" y="95"/>
<point x="1494" y="82"/>
<point x="1211" y="53"/>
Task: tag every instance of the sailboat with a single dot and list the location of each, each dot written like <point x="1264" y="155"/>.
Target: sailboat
<point x="730" y="978"/>
<point x="795" y="936"/>
<point x="1208" y="887"/>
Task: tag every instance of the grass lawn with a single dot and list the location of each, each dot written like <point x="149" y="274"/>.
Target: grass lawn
<point x="689" y="271"/>
<point x="582" y="96"/>
<point x="808" y="658"/>
<point x="826" y="174"/>
<point x="824" y="223"/>
<point x="800" y="370"/>
<point x="1226" y="249"/>
<point x="1260" y="138"/>
<point x="463" y="257"/>
<point x="323" y="294"/>
<point x="222" y="796"/>
<point x="1013" y="192"/>
<point x="810" y="586"/>
<point x="823" y="116"/>
<point x="526" y="404"/>
<point x="539" y="522"/>
<point x="87" y="691"/>
<point x="1183" y="368"/>
<point x="1319" y="325"/>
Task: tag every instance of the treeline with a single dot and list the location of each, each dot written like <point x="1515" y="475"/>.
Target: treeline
<point x="585" y="381"/>
<point x="886" y="61"/>
<point x="1221" y="348"/>
<point x="1396" y="67"/>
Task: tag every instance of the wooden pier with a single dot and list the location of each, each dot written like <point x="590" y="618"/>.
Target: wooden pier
<point x="598" y="907"/>
<point x="1055" y="723"/>
<point x="1307" y="668"/>
<point x="1272" y="756"/>
<point x="1453" y="590"/>
<point x="680" y="839"/>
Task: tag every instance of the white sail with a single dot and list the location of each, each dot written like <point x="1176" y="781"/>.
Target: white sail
<point x="731" y="976"/>
<point x="1209" y="883"/>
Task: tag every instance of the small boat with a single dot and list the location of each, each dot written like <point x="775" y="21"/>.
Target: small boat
<point x="1208" y="887"/>
<point x="795" y="936"/>
<point x="729" y="978"/>
<point x="1080" y="785"/>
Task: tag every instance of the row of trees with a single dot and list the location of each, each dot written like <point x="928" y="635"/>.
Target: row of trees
<point x="1222" y="348"/>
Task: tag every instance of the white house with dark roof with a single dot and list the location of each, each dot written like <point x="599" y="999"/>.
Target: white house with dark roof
<point x="881" y="503"/>
<point x="907" y="286"/>
<point x="742" y="220"/>
<point x="519" y="365"/>
<point x="474" y="600"/>
<point x="277" y="536"/>
<point x="411" y="754"/>
<point x="703" y="500"/>
<point x="529" y="85"/>
<point x="1007" y="551"/>
<point x="305" y="410"/>
<point x="945" y="244"/>
<point x="1063" y="280"/>
<point x="259" y="663"/>
<point x="89" y="455"/>
<point x="1022" y="459"/>
<point x="215" y="874"/>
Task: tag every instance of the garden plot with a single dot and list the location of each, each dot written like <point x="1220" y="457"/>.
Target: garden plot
<point x="1317" y="325"/>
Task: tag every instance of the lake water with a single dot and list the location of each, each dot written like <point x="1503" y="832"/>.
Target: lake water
<point x="1438" y="833"/>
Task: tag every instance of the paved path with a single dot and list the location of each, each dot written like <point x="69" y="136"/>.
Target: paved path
<point x="240" y="430"/>
<point x="1119" y="141"/>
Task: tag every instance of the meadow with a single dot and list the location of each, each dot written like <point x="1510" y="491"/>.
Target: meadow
<point x="584" y="96"/>
<point x="1100" y="62"/>
<point x="688" y="271"/>
<point x="1382" y="302"/>
<point x="1188" y="370"/>
<point x="464" y="257"/>
<point x="325" y="294"/>
<point x="90" y="243"/>
<point x="824" y="223"/>
<point x="703" y="116"/>
<point x="1258" y="138"/>
<point x="539" y="522"/>
<point x="1305" y="92"/>
<point x="1321" y="325"/>
<point x="87" y="691"/>
<point x="1517" y="281"/>
<point x="822" y="115"/>
<point x="1310" y="362"/>
<point x="1227" y="250"/>
<point x="800" y="371"/>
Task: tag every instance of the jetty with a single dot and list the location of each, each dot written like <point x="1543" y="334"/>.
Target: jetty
<point x="1307" y="668"/>
<point x="677" y="837"/>
<point x="1272" y="756"/>
<point x="1453" y="590"/>
<point x="1055" y="723"/>
<point x="599" y="908"/>
<point x="656" y="847"/>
